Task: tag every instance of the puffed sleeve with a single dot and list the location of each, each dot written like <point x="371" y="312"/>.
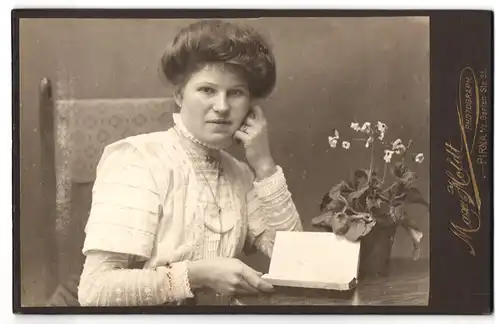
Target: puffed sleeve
<point x="125" y="203"/>
<point x="270" y="209"/>
<point x="121" y="227"/>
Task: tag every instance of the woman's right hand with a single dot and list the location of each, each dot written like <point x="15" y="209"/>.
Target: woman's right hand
<point x="226" y="276"/>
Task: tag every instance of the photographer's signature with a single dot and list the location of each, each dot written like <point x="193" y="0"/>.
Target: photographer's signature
<point x="464" y="158"/>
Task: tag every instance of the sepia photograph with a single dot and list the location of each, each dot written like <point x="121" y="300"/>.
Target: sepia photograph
<point x="263" y="161"/>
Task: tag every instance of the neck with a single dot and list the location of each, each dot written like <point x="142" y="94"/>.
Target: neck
<point x="195" y="144"/>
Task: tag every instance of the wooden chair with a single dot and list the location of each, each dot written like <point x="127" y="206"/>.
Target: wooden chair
<point x="74" y="133"/>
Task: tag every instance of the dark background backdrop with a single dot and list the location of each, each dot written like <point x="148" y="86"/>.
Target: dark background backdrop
<point x="331" y="71"/>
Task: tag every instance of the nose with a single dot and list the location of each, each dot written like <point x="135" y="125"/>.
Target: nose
<point x="221" y="104"/>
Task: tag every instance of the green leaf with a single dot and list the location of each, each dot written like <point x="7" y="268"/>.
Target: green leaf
<point x="375" y="182"/>
<point x="384" y="196"/>
<point x="325" y="201"/>
<point x="333" y="198"/>
<point x="355" y="199"/>
<point x="360" y="173"/>
<point x="399" y="200"/>
<point x="414" y="196"/>
<point x="404" y="175"/>
<point x="416" y="235"/>
<point x="399" y="169"/>
<point x="339" y="223"/>
<point x="408" y="179"/>
<point x="397" y="190"/>
<point x="405" y="221"/>
<point x="409" y="196"/>
<point x="397" y="213"/>
<point x="357" y="229"/>
<point x="372" y="202"/>
<point x="323" y="220"/>
<point x="360" y="179"/>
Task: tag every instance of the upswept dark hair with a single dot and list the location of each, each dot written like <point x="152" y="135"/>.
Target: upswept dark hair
<point x="215" y="41"/>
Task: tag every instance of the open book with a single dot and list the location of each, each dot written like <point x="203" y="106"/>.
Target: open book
<point x="313" y="260"/>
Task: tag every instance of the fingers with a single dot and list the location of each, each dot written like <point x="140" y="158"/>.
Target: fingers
<point x="242" y="136"/>
<point x="245" y="287"/>
<point x="255" y="116"/>
<point x="251" y="118"/>
<point x="254" y="280"/>
<point x="259" y="113"/>
<point x="253" y="121"/>
<point x="244" y="128"/>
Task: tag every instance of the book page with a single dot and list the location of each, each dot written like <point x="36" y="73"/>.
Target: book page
<point x="314" y="256"/>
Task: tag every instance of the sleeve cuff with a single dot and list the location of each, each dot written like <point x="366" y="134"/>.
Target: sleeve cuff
<point x="176" y="281"/>
<point x="272" y="185"/>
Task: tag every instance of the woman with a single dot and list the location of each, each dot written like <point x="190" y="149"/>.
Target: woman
<point x="175" y="202"/>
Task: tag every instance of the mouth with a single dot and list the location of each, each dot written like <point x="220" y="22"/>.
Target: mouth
<point x="219" y="122"/>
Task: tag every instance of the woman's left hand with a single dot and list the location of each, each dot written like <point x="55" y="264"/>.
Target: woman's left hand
<point x="253" y="134"/>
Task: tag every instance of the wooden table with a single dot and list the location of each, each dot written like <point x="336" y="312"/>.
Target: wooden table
<point x="407" y="284"/>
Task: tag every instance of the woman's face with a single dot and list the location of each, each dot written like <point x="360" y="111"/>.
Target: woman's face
<point x="214" y="102"/>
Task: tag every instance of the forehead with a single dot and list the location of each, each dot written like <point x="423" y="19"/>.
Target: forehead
<point x="218" y="74"/>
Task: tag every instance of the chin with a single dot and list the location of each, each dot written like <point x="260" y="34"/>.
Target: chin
<point x="220" y="140"/>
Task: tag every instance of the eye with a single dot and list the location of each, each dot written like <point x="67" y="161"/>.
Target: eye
<point x="237" y="92"/>
<point x="206" y="90"/>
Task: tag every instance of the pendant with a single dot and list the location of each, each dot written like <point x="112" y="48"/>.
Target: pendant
<point x="215" y="210"/>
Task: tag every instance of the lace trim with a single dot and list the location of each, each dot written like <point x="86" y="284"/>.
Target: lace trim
<point x="179" y="281"/>
<point x="180" y="125"/>
<point x="214" y="192"/>
<point x="272" y="186"/>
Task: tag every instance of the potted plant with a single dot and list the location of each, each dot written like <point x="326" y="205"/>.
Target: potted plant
<point x="368" y="207"/>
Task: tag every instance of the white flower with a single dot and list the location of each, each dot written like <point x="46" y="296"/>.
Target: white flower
<point x="369" y="141"/>
<point x="381" y="127"/>
<point x="346" y="145"/>
<point x="388" y="156"/>
<point x="398" y="146"/>
<point x="332" y="141"/>
<point x="355" y="126"/>
<point x="396" y="143"/>
<point x="366" y="127"/>
<point x="419" y="158"/>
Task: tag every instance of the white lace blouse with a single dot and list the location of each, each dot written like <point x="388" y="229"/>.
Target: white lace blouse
<point x="155" y="200"/>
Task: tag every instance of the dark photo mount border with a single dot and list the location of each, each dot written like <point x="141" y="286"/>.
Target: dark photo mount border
<point x="461" y="45"/>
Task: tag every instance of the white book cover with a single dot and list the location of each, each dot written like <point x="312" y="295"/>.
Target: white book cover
<point x="313" y="260"/>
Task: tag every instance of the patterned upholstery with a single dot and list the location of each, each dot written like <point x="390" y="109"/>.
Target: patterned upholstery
<point x="85" y="127"/>
<point x="82" y="129"/>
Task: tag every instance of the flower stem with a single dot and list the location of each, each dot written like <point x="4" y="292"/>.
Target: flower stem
<point x="406" y="150"/>
<point x="385" y="169"/>
<point x="389" y="188"/>
<point x="371" y="163"/>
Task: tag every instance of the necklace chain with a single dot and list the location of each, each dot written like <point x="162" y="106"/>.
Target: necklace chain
<point x="203" y="173"/>
<point x="219" y="209"/>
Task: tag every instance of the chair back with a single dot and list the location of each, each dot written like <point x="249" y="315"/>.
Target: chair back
<point x="74" y="133"/>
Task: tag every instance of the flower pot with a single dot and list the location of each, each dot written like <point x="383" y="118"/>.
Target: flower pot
<point x="375" y="253"/>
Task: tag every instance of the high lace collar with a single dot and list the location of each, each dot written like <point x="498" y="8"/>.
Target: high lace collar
<point x="187" y="134"/>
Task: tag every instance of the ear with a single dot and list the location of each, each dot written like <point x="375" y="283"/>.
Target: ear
<point x="253" y="103"/>
<point x="178" y="97"/>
